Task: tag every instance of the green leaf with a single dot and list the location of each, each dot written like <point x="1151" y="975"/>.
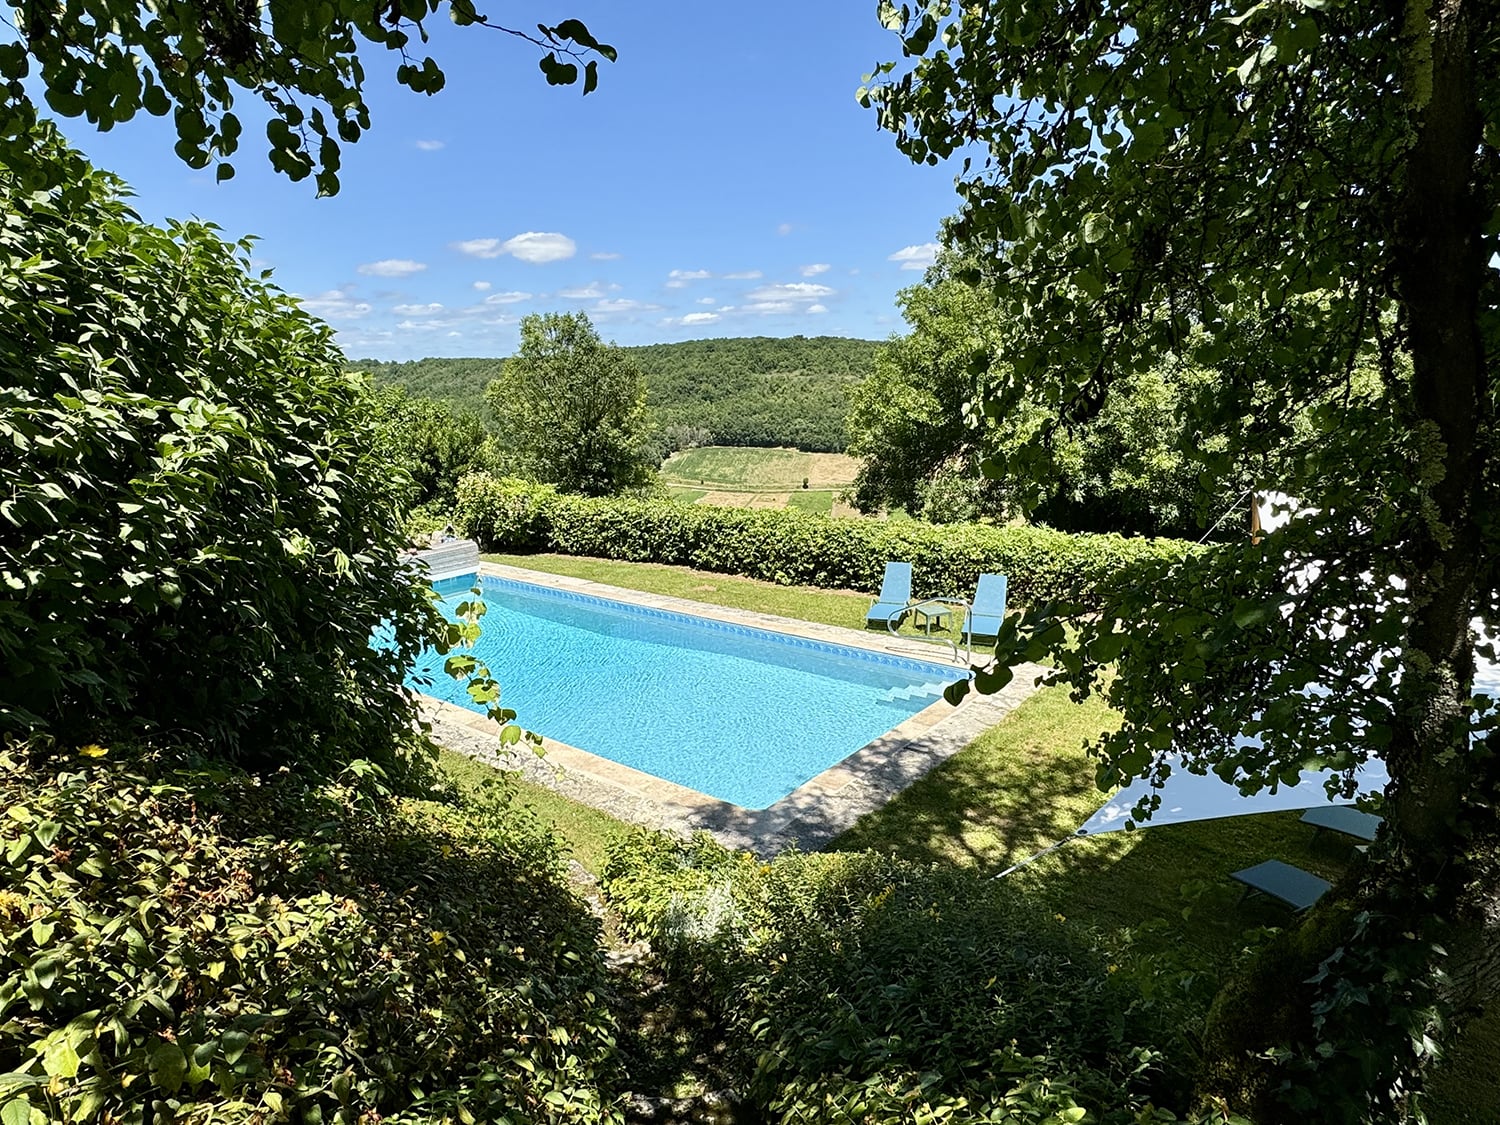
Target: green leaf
<point x="169" y="1066"/>
<point x="558" y="73"/>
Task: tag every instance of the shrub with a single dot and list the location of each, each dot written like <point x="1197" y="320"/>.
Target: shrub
<point x="789" y="546"/>
<point x="185" y="945"/>
<point x="859" y="987"/>
<point x="197" y="532"/>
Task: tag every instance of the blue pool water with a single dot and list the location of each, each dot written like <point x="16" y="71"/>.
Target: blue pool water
<point x="741" y="714"/>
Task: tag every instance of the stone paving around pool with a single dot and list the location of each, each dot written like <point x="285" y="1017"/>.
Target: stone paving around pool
<point x="810" y="816"/>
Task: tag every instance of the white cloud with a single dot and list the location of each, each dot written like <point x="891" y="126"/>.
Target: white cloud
<point x="623" y="305"/>
<point x="699" y="318"/>
<point x="335" y="304"/>
<point x="582" y="292"/>
<point x="537" y="247"/>
<point x="481" y="285"/>
<point x="678" y="278"/>
<point x="915" y="257"/>
<point x="705" y="300"/>
<point x="416" y="310"/>
<point x="784" y="229"/>
<point x="817" y="308"/>
<point x="815" y="269"/>
<point x="510" y="297"/>
<point x="533" y="246"/>
<point x="792" y="291"/>
<point x="425" y="325"/>
<point x="479" y="247"/>
<point x="744" y="275"/>
<point x="392" y="267"/>
<point x="430" y="146"/>
<point x="604" y="256"/>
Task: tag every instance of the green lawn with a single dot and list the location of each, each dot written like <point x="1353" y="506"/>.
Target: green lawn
<point x="817" y="501"/>
<point x="1027" y="783"/>
<point x="584" y="831"/>
<point x="1153" y="893"/>
<point x="685" y="495"/>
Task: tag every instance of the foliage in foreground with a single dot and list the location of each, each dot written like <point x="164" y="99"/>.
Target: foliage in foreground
<point x="108" y="61"/>
<point x="179" y="943"/>
<point x="857" y="987"/>
<point x="198" y="530"/>
<point x="797" y="547"/>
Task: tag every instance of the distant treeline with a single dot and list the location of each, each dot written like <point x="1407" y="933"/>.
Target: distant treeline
<point x="746" y="390"/>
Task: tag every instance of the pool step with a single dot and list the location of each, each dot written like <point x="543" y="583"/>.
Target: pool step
<point x="916" y="691"/>
<point x="446" y="560"/>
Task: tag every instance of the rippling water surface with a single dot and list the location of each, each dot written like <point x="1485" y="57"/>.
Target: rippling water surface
<point x="740" y="714"/>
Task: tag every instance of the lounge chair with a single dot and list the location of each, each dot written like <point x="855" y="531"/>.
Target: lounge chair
<point x="988" y="613"/>
<point x="895" y="595"/>
<point x="1297" y="888"/>
<point x="1341" y="818"/>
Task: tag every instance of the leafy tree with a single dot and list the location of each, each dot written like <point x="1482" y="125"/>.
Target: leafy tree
<point x="1119" y="467"/>
<point x="573" y="407"/>
<point x="108" y="61"/>
<point x="199" y="532"/>
<point x="435" y="445"/>
<point x="908" y="421"/>
<point x="1274" y="191"/>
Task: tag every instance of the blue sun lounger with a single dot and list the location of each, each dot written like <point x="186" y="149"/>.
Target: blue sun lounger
<point x="1341" y="818"/>
<point x="1297" y="888"/>
<point x="988" y="614"/>
<point x="895" y="595"/>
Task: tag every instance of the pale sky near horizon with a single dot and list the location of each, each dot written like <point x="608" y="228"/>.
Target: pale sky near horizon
<point x="721" y="181"/>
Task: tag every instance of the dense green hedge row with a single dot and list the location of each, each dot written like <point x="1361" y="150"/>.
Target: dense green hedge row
<point x="798" y="547"/>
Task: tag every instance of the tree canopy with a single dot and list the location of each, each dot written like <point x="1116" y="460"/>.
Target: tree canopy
<point x="742" y="390"/>
<point x="434" y="444"/>
<point x="107" y="61"/>
<point x="1131" y="463"/>
<point x="572" y="407"/>
<point x="1284" y="193"/>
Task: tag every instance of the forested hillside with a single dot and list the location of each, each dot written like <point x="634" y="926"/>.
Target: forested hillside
<point x="750" y="390"/>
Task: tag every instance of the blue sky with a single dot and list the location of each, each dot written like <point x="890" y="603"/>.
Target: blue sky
<point x="722" y="181"/>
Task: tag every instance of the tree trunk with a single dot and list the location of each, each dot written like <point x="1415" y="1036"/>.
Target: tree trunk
<point x="1427" y="901"/>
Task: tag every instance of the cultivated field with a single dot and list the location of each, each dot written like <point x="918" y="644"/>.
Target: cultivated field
<point x="742" y="477"/>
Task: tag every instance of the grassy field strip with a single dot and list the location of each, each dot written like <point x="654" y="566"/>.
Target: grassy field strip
<point x="748" y="469"/>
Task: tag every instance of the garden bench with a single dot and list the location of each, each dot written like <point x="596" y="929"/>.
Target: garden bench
<point x="1342" y="818"/>
<point x="1297" y="888"/>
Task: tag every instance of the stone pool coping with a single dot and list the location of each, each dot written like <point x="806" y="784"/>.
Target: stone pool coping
<point x="808" y="817"/>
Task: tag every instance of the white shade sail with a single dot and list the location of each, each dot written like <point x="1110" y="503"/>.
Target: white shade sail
<point x="1187" y="796"/>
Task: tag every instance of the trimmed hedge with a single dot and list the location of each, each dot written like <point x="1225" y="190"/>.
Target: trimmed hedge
<point x="792" y="547"/>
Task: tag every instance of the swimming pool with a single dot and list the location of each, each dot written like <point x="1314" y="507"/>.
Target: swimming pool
<point x="745" y="715"/>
